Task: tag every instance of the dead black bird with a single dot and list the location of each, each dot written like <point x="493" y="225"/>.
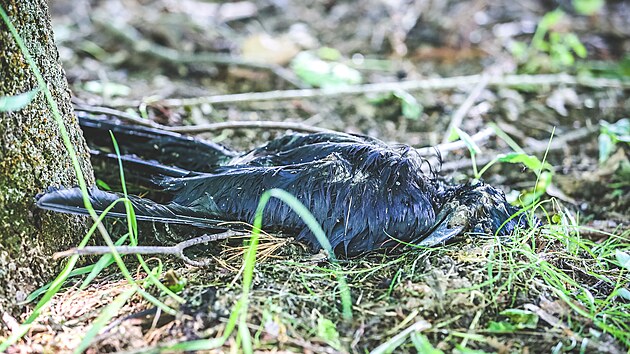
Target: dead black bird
<point x="365" y="194"/>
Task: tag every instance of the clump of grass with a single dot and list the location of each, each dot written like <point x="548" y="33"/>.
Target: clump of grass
<point x="588" y="275"/>
<point x="237" y="319"/>
<point x="549" y="49"/>
<point x="542" y="169"/>
<point x="268" y="247"/>
<point x="553" y="259"/>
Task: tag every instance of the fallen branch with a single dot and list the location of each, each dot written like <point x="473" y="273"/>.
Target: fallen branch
<point x="203" y="128"/>
<point x="256" y="124"/>
<point x="176" y="250"/>
<point x="479" y="138"/>
<point x="447" y="83"/>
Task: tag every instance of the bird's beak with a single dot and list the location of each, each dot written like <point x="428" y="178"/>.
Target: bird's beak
<point x="442" y="232"/>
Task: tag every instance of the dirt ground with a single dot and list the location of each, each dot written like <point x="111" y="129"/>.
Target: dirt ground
<point x="133" y="55"/>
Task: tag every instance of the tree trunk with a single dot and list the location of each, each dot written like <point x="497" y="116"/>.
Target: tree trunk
<point x="33" y="157"/>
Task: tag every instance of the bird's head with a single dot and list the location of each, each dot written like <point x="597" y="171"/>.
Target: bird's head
<point x="474" y="208"/>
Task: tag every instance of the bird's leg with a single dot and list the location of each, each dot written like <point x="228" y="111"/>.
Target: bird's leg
<point x="176" y="250"/>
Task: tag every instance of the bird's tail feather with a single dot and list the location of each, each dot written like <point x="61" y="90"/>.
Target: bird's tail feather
<point x="139" y="171"/>
<point x="71" y="201"/>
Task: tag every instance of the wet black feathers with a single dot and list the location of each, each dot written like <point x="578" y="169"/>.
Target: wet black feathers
<point x="364" y="193"/>
<point x="170" y="149"/>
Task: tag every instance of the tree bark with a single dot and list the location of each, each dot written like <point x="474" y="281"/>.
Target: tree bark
<point x="33" y="157"/>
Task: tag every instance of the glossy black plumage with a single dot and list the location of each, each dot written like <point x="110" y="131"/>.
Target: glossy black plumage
<point x="364" y="193"/>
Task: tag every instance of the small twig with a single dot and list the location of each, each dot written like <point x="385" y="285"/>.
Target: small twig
<point x="537" y="147"/>
<point x="479" y="138"/>
<point x="119" y="114"/>
<point x="397" y="340"/>
<point x="462" y="111"/>
<point x="260" y="124"/>
<point x="413" y="85"/>
<point x="176" y="250"/>
<point x="141" y="45"/>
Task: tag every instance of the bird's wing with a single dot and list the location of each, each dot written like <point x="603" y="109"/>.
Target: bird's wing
<point x="300" y="148"/>
<point x="166" y="148"/>
<point x="360" y="204"/>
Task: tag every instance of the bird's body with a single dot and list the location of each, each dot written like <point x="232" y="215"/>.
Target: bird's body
<point x="365" y="193"/>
